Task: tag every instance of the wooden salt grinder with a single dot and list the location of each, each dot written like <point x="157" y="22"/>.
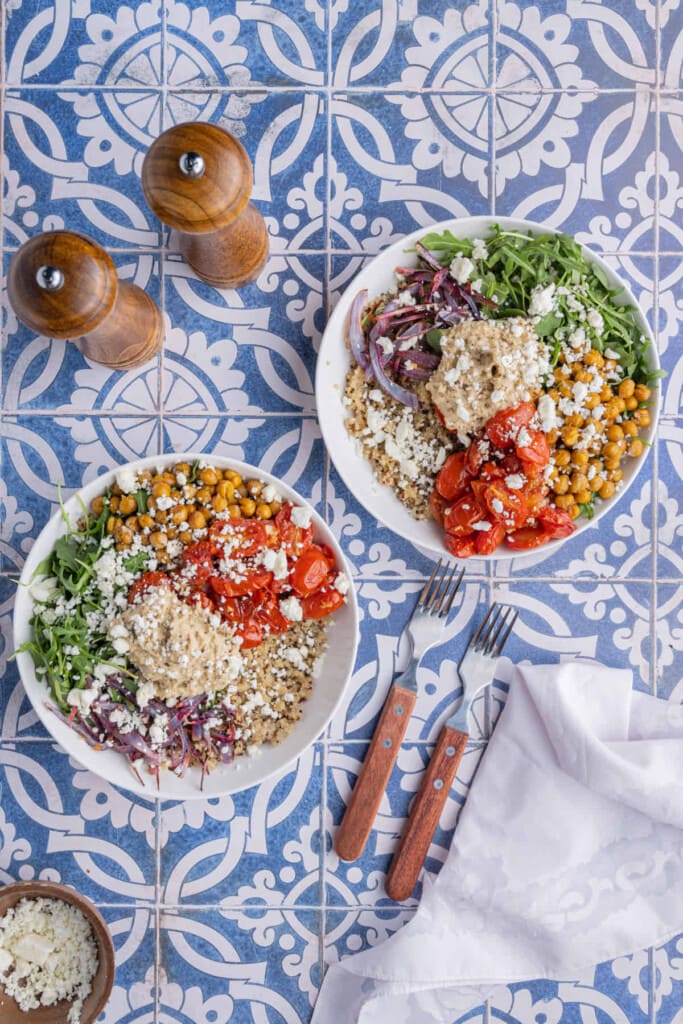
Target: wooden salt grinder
<point x="197" y="178"/>
<point x="63" y="285"/>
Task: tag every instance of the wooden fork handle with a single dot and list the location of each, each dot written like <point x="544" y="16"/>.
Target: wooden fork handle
<point x="425" y="813"/>
<point x="372" y="782"/>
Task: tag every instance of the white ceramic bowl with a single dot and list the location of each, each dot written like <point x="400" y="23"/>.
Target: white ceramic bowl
<point x="334" y="360"/>
<point x="331" y="679"/>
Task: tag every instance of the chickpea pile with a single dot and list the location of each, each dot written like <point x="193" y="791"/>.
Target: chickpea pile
<point x="194" y="506"/>
<point x="581" y="471"/>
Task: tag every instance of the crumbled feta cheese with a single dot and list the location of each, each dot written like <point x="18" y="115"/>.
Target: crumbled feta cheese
<point x="43" y="589"/>
<point x="127" y="480"/>
<point x="301" y="516"/>
<point x="342" y="583"/>
<point x="82" y="699"/>
<point x="481" y="525"/>
<point x="595" y="321"/>
<point x="542" y="300"/>
<point x="547" y="413"/>
<point x="291" y="609"/>
<point x="145" y="693"/>
<point x="461" y="268"/>
<point x="479" y="250"/>
<point x="515" y="481"/>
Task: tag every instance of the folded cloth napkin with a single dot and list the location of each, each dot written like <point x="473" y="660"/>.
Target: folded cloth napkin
<point x="568" y="852"/>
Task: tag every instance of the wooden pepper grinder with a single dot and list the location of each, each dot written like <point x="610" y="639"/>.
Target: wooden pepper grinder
<point x="64" y="285"/>
<point x="197" y="178"/>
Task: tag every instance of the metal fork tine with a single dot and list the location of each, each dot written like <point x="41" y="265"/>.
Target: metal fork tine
<point x="443" y="593"/>
<point x="506" y="634"/>
<point x="455" y="590"/>
<point x="422" y="601"/>
<point x="500" y="625"/>
<point x="473" y="642"/>
<point x="484" y="639"/>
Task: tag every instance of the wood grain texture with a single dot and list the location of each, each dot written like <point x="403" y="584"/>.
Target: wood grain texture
<point x="425" y="813"/>
<point x="372" y="782"/>
<point x="113" y="322"/>
<point x="223" y="237"/>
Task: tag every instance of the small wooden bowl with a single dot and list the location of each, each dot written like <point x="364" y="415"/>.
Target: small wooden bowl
<point x="104" y="977"/>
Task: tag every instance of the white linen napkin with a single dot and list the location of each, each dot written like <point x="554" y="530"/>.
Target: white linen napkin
<point x="568" y="852"/>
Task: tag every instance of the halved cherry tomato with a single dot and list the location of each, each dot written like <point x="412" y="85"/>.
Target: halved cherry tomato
<point x="461" y="517"/>
<point x="535" y="491"/>
<point x="511" y="464"/>
<point x="453" y="477"/>
<point x="491" y="471"/>
<point x="197" y="562"/>
<point x="255" y="579"/>
<point x="502" y="429"/>
<point x="437" y="507"/>
<point x="322" y="603"/>
<point x="536" y="450"/>
<point x="555" y="522"/>
<point x="147" y="581"/>
<point x="329" y="555"/>
<point x="231" y="609"/>
<point x="487" y="541"/>
<point x="507" y="507"/>
<point x="310" y="571"/>
<point x="240" y="537"/>
<point x="250" y="633"/>
<point x="295" y="539"/>
<point x="476" y="455"/>
<point x="202" y="599"/>
<point x="527" y="537"/>
<point x="264" y="609"/>
<point x="460" y="547"/>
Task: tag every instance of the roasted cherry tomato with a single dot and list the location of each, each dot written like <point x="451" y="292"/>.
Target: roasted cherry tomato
<point x="322" y="603"/>
<point x="255" y="579"/>
<point x="147" y="581"/>
<point x="487" y="541"/>
<point x="232" y="609"/>
<point x="264" y="609"/>
<point x="491" y="471"/>
<point x="202" y="599"/>
<point x="476" y="455"/>
<point x="437" y="507"/>
<point x="527" y="537"/>
<point x="502" y="429"/>
<point x="453" y="477"/>
<point x="507" y="507"/>
<point x="535" y="490"/>
<point x="310" y="571"/>
<point x="250" y="633"/>
<point x="460" y="547"/>
<point x="460" y="518"/>
<point x="240" y="537"/>
<point x="329" y="555"/>
<point x="294" y="539"/>
<point x="197" y="563"/>
<point x="536" y="449"/>
<point x="555" y="522"/>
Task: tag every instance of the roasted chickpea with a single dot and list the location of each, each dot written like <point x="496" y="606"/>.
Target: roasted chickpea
<point x="562" y="457"/>
<point x="112" y="523"/>
<point x="615" y="475"/>
<point x="151" y="503"/>
<point x="208" y="476"/>
<point x="124" y="536"/>
<point x="226" y="489"/>
<point x="263" y="510"/>
<point x="219" y="503"/>
<point x="578" y="482"/>
<point x="611" y="464"/>
<point x="158" y="539"/>
<point x="132" y="523"/>
<point x="254" y="488"/>
<point x="115" y="489"/>
<point x="596" y="483"/>
<point x="606" y="393"/>
<point x="570" y="435"/>
<point x="564" y="389"/>
<point x="591" y="400"/>
<point x="631" y="403"/>
<point x="626" y="388"/>
<point x="97" y="505"/>
<point x="593" y="358"/>
<point x="114" y="503"/>
<point x="233" y="477"/>
<point x="636" y="447"/>
<point x="615" y="432"/>
<point x="575" y="419"/>
<point x="613" y="449"/>
<point x="144" y="478"/>
<point x="553" y="436"/>
<point x="554" y="393"/>
<point x="162" y="489"/>
<point x="642" y="392"/>
<point x="607" y="490"/>
<point x="162" y="557"/>
<point x="145" y="521"/>
<point x="629" y="428"/>
<point x="196" y="520"/>
<point x="612" y="409"/>
<point x="185" y="537"/>
<point x="580" y="458"/>
<point x="179" y="514"/>
<point x="127" y="505"/>
<point x="275" y="507"/>
<point x="248" y="507"/>
<point x="234" y="511"/>
<point x="168" y="477"/>
<point x="642" y="417"/>
<point x="171" y="532"/>
<point x="182" y="467"/>
<point x="565" y="501"/>
<point x="561" y="485"/>
<point x="574" y="511"/>
<point x="189" y="492"/>
<point x="204" y="495"/>
<point x="583" y="497"/>
<point x="582" y="375"/>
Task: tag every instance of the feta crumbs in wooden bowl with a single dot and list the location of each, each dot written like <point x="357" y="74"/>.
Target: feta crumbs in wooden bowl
<point x="56" y="956"/>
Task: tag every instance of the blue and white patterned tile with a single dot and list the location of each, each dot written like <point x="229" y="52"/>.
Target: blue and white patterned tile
<point x="575" y="45"/>
<point x="671" y="59"/>
<point x="669" y="642"/>
<point x="353" y="931"/>
<point x="670" y="499"/>
<point x="668" y="978"/>
<point x="285" y="135"/>
<point x="256" y="350"/>
<point x="395" y="156"/>
<point x="584" y="165"/>
<point x="39" y="373"/>
<point x="670" y="325"/>
<point x="385" y="607"/>
<point x="133" y="932"/>
<point x="239" y="966"/>
<point x="411" y="46"/>
<point x="43" y="456"/>
<point x="82" y="176"/>
<point x="260" y="847"/>
<point x="362" y="881"/>
<point x="61" y="823"/>
<point x="17" y="716"/>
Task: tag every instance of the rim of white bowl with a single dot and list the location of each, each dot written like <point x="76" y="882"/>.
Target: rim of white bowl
<point x="102" y="762"/>
<point x="333" y="358"/>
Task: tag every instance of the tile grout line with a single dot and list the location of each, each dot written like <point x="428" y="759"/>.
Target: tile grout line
<point x="493" y="113"/>
<point x="267" y="90"/>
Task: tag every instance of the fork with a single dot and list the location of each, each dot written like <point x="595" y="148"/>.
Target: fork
<point x="424" y="629"/>
<point x="476" y="671"/>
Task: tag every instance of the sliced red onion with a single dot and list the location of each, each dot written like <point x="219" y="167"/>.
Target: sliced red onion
<point x="417" y="373"/>
<point x="356" y="335"/>
<point x="429" y="360"/>
<point x="428" y="257"/>
<point x="388" y="386"/>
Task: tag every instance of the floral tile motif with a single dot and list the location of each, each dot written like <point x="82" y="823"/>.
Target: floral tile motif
<point x="235" y="862"/>
<point x="60" y="823"/>
<point x="670" y="325"/>
<point x="669" y="641"/>
<point x="239" y="966"/>
<point x="669" y="499"/>
<point x="132" y="997"/>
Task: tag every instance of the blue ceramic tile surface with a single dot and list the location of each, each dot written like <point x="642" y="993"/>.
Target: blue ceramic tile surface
<point x="363" y="121"/>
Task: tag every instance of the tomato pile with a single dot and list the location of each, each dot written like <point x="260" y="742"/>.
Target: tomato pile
<point x="496" y="491"/>
<point x="225" y="573"/>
